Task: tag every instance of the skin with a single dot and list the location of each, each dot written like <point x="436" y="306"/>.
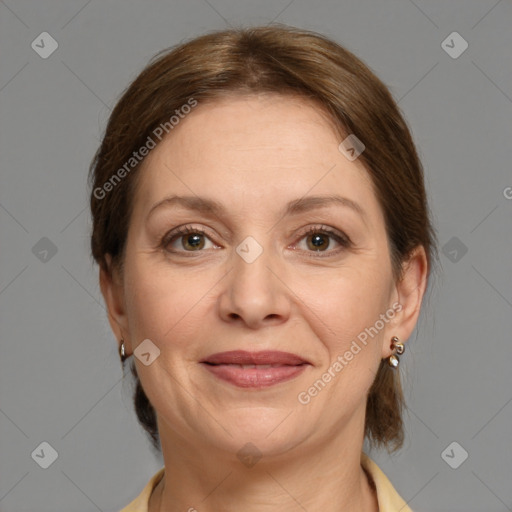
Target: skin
<point x="254" y="154"/>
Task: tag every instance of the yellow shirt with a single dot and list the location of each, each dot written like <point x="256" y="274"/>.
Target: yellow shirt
<point x="389" y="500"/>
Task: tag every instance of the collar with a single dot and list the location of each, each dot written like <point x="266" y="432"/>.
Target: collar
<point x="387" y="496"/>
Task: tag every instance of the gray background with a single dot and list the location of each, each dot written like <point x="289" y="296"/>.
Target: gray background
<point x="60" y="376"/>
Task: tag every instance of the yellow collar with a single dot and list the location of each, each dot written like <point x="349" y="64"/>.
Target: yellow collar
<point x="388" y="498"/>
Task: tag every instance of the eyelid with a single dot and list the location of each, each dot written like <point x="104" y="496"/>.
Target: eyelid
<point x="322" y="228"/>
<point x="339" y="236"/>
<point x="181" y="231"/>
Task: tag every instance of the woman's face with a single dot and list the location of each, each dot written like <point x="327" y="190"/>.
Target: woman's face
<point x="269" y="269"/>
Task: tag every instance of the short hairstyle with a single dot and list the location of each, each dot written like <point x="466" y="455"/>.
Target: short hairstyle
<point x="288" y="61"/>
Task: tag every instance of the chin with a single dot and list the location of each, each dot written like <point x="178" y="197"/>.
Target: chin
<point x="271" y="431"/>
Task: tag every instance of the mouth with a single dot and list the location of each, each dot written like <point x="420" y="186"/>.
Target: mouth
<point x="255" y="369"/>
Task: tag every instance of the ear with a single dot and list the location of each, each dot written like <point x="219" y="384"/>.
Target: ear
<point x="410" y="290"/>
<point x="112" y="289"/>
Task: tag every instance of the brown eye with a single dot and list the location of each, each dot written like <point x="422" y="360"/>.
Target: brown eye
<point x="193" y="241"/>
<point x="318" y="242"/>
<point x="186" y="239"/>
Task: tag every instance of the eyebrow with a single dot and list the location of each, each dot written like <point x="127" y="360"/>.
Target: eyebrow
<point x="205" y="205"/>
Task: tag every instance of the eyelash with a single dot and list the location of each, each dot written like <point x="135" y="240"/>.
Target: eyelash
<point x="339" y="237"/>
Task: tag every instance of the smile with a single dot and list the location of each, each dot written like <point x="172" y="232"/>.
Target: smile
<point x="255" y="375"/>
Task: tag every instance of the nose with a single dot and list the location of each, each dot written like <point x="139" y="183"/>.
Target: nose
<point x="255" y="293"/>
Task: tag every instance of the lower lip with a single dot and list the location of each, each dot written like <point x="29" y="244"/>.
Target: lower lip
<point x="254" y="377"/>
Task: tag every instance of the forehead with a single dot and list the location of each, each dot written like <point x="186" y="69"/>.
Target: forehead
<point x="252" y="147"/>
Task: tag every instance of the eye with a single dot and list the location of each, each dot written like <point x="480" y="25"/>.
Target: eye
<point x="185" y="239"/>
<point x="188" y="239"/>
<point x="318" y="240"/>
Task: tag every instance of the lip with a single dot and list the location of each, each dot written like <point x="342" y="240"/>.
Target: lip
<point x="258" y="358"/>
<point x="255" y="369"/>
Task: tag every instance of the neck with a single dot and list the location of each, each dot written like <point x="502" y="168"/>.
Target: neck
<point x="316" y="478"/>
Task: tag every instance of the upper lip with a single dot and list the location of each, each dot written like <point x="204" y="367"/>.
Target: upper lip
<point x="263" y="357"/>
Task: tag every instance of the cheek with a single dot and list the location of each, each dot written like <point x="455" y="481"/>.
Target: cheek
<point x="345" y="305"/>
<point x="162" y="305"/>
<point x="344" y="319"/>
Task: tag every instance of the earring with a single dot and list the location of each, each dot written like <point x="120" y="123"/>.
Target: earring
<point x="122" y="352"/>
<point x="393" y="359"/>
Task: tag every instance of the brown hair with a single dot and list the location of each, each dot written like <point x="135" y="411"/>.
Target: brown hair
<point x="283" y="60"/>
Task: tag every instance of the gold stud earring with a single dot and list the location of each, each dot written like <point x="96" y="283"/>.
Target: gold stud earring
<point x="393" y="359"/>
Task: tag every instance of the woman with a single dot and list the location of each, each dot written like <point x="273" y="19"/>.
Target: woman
<point x="262" y="231"/>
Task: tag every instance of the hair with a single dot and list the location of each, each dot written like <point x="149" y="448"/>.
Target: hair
<point x="288" y="61"/>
